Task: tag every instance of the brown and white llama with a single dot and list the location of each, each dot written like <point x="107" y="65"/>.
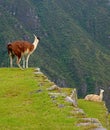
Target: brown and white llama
<point x="22" y="50"/>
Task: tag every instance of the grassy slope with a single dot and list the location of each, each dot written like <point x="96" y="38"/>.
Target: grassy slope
<point x="21" y="106"/>
<point x="96" y="110"/>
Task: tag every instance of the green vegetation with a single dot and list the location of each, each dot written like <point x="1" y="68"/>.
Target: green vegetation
<point x="22" y="107"/>
<point x="94" y="109"/>
<point x="25" y="104"/>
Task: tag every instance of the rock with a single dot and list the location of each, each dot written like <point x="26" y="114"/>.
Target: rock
<point x="36" y="91"/>
<point x="74" y="96"/>
<point x="53" y="97"/>
<point x="99" y="129"/>
<point x="69" y="99"/>
<point x="54" y="87"/>
<point x="78" y="111"/>
<point x="84" y="124"/>
<point x="57" y="94"/>
<point x="61" y="105"/>
<point x="91" y="121"/>
<point x="37" y="71"/>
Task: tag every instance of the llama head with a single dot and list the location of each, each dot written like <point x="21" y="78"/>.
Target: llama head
<point x="101" y="90"/>
<point x="38" y="38"/>
<point x="36" y="41"/>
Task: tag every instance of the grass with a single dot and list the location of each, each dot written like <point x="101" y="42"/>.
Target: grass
<point x="21" y="107"/>
<point x="26" y="105"/>
<point x="95" y="110"/>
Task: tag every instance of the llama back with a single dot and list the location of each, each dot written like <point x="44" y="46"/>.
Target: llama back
<point x="20" y="47"/>
<point x="88" y="97"/>
<point x="96" y="98"/>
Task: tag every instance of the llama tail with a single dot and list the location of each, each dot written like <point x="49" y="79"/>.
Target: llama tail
<point x="10" y="51"/>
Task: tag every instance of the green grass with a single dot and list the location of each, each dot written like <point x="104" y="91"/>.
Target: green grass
<point x="24" y="107"/>
<point x="95" y="110"/>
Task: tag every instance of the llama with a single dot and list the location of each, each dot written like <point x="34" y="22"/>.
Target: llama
<point x="22" y="50"/>
<point x="94" y="97"/>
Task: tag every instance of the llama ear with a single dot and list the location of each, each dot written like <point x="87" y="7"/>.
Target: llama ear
<point x="38" y="38"/>
<point x="34" y="35"/>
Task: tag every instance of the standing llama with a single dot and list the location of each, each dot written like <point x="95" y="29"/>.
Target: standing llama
<point x="94" y="97"/>
<point x="22" y="50"/>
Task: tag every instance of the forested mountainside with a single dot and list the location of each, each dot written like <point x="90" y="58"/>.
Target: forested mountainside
<point x="75" y="40"/>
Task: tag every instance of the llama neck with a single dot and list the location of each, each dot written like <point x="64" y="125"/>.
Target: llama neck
<point x="101" y="95"/>
<point x="35" y="43"/>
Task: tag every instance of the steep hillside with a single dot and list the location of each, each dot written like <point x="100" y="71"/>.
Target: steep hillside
<point x="25" y="103"/>
<point x="74" y="46"/>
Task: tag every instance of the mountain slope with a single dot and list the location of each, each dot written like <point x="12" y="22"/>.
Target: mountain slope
<point x="74" y="46"/>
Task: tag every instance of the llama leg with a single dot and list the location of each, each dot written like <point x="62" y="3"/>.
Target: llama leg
<point x="18" y="62"/>
<point x="27" y="59"/>
<point x="23" y="62"/>
<point x="11" y="61"/>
